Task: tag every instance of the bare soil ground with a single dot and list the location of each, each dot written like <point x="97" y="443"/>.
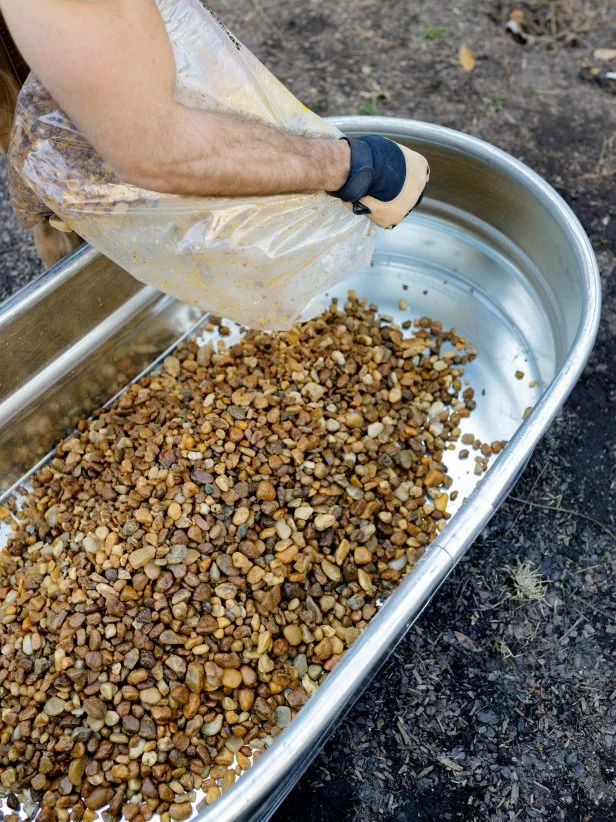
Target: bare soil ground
<point x="497" y="705"/>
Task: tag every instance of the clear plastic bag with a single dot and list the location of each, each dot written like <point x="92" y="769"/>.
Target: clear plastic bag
<point x="260" y="261"/>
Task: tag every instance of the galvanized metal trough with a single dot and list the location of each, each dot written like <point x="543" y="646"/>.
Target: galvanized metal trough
<point x="493" y="251"/>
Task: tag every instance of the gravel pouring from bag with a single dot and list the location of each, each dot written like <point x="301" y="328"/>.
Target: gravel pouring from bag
<point x="195" y="559"/>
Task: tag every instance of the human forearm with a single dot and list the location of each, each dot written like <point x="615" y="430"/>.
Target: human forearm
<point x="213" y="154"/>
<point x="136" y="125"/>
<point x="126" y="108"/>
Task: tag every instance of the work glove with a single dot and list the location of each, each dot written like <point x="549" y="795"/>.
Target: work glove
<point x="386" y="180"/>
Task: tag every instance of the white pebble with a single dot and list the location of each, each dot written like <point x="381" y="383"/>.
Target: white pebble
<point x="282" y="529"/>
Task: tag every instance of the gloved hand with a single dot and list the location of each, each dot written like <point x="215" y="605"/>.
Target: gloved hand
<point x="386" y="180"/>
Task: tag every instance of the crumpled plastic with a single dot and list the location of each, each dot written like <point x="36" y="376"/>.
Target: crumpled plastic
<point x="261" y="261"/>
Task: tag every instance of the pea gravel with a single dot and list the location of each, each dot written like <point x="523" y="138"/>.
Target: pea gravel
<point x="195" y="559"/>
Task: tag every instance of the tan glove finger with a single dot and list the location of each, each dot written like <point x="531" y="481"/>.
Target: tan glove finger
<point x="389" y="214"/>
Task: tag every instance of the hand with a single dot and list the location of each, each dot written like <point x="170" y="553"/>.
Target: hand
<point x="386" y="180"/>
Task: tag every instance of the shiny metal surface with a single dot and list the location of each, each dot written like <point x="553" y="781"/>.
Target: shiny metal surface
<point x="68" y="342"/>
<point x="494" y="251"/>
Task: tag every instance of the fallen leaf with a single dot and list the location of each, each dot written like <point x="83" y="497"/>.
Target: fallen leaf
<point x="466" y="58"/>
<point x="604" y="54"/>
<point x="449" y="763"/>
<point x="466" y="642"/>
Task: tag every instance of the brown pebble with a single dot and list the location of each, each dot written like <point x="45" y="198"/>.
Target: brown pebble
<point x="98" y="797"/>
<point x="76" y="770"/>
<point x="179" y="812"/>
<point x="227" y="660"/>
<point x="171" y="638"/>
<point x="94" y="660"/>
<point x="195" y="677"/>
<point x="293" y="634"/>
<point x="297" y="698"/>
<point x="266" y="491"/>
<point x="433" y="478"/>
<point x="354" y="420"/>
<point x="246" y="699"/>
<point x="141" y="557"/>
<point x="324" y="649"/>
<point x="362" y="555"/>
<point x="148" y="788"/>
<point x="231" y="678"/>
<point x="151" y="696"/>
